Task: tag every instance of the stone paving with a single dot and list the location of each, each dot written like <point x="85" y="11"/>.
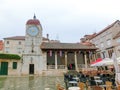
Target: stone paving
<point x="29" y="82"/>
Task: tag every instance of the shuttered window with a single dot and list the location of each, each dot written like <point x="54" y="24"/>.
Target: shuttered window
<point x="14" y="65"/>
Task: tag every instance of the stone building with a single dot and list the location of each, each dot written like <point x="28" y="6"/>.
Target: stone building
<point x="1" y="46"/>
<point x="107" y="40"/>
<point x="41" y="56"/>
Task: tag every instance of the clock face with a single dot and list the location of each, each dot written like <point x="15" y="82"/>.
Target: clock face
<point x="32" y="31"/>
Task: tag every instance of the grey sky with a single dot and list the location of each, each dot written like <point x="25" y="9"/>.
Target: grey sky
<point x="66" y="20"/>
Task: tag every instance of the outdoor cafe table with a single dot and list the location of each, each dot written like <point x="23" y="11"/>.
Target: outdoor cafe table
<point x="76" y="78"/>
<point x="96" y="77"/>
<point x="98" y="82"/>
<point x="73" y="88"/>
<point x="73" y="85"/>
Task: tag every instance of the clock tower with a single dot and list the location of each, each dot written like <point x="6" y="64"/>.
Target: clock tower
<point x="32" y="57"/>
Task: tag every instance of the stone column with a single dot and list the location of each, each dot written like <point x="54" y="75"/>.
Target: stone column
<point x="45" y="59"/>
<point x="55" y="59"/>
<point x="94" y="56"/>
<point x="75" y="56"/>
<point x="85" y="57"/>
<point x="90" y="58"/>
<point x="66" y="60"/>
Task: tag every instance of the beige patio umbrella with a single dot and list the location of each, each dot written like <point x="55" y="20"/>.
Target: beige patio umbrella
<point x="117" y="68"/>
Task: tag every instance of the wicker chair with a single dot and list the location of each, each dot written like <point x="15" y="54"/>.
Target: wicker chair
<point x="97" y="88"/>
<point x="81" y="85"/>
<point x="108" y="85"/>
<point x="59" y="87"/>
<point x="118" y="87"/>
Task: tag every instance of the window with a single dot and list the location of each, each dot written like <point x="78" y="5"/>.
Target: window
<point x="7" y="49"/>
<point x="103" y="54"/>
<point x="110" y="53"/>
<point x="19" y="43"/>
<point x="96" y="45"/>
<point x="102" y="44"/>
<point x="7" y="42"/>
<point x="108" y="42"/>
<point x="14" y="65"/>
<point x="19" y="50"/>
<point x="118" y="40"/>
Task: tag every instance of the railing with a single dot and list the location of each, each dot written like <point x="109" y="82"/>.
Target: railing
<point x="60" y="66"/>
<point x="50" y="66"/>
<point x="53" y="66"/>
<point x="82" y="66"/>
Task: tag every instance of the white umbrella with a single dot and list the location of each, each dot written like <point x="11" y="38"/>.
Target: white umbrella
<point x="117" y="68"/>
<point x="107" y="62"/>
<point x="96" y="62"/>
<point x="104" y="62"/>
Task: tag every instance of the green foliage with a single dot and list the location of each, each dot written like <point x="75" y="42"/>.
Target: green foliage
<point x="10" y="56"/>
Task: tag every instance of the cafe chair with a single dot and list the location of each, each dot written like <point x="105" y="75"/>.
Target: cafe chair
<point x="59" y="87"/>
<point x="81" y="85"/>
<point x="97" y="88"/>
<point x="108" y="85"/>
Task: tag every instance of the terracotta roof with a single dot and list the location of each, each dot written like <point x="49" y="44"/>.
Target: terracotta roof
<point x="117" y="35"/>
<point x="20" y="38"/>
<point x="105" y="29"/>
<point x="16" y="38"/>
<point x="87" y="43"/>
<point x="64" y="46"/>
<point x="90" y="36"/>
<point x="33" y="22"/>
<point x="46" y="39"/>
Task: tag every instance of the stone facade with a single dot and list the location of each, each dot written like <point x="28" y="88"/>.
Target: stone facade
<point x="105" y="41"/>
<point x="1" y="46"/>
<point x="9" y="68"/>
<point x="14" y="45"/>
<point x="41" y="56"/>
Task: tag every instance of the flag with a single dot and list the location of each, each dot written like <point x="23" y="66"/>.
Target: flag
<point x="60" y="53"/>
<point x="50" y="52"/>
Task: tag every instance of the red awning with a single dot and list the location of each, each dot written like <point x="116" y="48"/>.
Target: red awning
<point x="97" y="60"/>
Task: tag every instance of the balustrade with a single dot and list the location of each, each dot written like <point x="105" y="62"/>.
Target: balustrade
<point x="53" y="66"/>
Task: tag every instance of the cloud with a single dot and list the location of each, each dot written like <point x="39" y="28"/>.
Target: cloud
<point x="77" y="17"/>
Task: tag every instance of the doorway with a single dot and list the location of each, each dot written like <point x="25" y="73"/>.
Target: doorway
<point x="4" y="68"/>
<point x="31" y="68"/>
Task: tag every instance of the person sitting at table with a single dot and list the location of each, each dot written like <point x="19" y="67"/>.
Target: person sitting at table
<point x="103" y="78"/>
<point x="83" y="79"/>
<point x="92" y="81"/>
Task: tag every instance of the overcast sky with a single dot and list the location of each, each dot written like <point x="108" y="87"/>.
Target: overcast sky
<point x="65" y="20"/>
